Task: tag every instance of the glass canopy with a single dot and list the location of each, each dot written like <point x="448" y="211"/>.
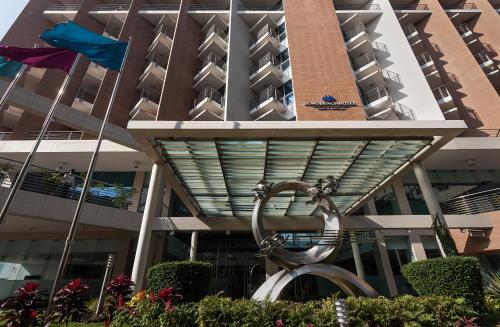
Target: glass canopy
<point x="219" y="174"/>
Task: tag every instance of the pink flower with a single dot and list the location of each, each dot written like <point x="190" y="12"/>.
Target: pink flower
<point x="279" y="323"/>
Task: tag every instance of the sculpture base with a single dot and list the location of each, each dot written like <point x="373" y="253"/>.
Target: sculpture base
<point x="348" y="282"/>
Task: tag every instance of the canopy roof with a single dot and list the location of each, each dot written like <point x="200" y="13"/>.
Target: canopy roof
<point x="218" y="165"/>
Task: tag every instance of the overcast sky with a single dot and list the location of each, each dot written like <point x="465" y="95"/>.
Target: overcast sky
<point x="8" y="14"/>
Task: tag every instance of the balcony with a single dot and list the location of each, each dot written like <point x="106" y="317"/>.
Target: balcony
<point x="96" y="71"/>
<point x="355" y="36"/>
<point x="486" y="63"/>
<point x="426" y="62"/>
<point x="357" y="7"/>
<point x="268" y="105"/>
<point x="84" y="100"/>
<point x="209" y="7"/>
<point x="443" y="97"/>
<point x="365" y="65"/>
<point x="147" y="106"/>
<point x="154" y="75"/>
<point x="460" y="6"/>
<point x="266" y="72"/>
<point x="212" y="73"/>
<point x="376" y="99"/>
<point x="263" y="7"/>
<point x="215" y="41"/>
<point x="106" y="12"/>
<point x="409" y="6"/>
<point x="59" y="13"/>
<point x="473" y="203"/>
<point x="208" y="106"/>
<point x="464" y="31"/>
<point x="265" y="42"/>
<point x="55" y="135"/>
<point x="162" y="43"/>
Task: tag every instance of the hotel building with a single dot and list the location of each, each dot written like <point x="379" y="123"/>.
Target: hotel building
<point x="397" y="99"/>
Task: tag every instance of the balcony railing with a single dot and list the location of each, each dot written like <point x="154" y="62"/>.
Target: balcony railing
<point x="475" y="203"/>
<point x="50" y="182"/>
<point x="409" y="6"/>
<point x="363" y="60"/>
<point x="464" y="29"/>
<point x="409" y="30"/>
<point x="467" y="5"/>
<point x="424" y="58"/>
<point x="208" y="7"/>
<point x="112" y="7"/>
<point x="441" y="93"/>
<point x="86" y="95"/>
<point x="266" y="59"/>
<point x="375" y="94"/>
<point x="150" y="95"/>
<point x="210" y="94"/>
<point x="260" y="7"/>
<point x="372" y="6"/>
<point x="349" y="34"/>
<point x="217" y="30"/>
<point x="483" y="57"/>
<point x="213" y="59"/>
<point x="62" y="7"/>
<point x="159" y="6"/>
<point x="4" y="136"/>
<point x="55" y="135"/>
<point x="263" y="31"/>
<point x="270" y="93"/>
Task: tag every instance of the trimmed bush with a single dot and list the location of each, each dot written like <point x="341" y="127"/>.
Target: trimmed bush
<point x="190" y="279"/>
<point x="403" y="311"/>
<point x="456" y="277"/>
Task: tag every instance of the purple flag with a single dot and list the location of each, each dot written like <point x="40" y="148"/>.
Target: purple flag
<point x="40" y="57"/>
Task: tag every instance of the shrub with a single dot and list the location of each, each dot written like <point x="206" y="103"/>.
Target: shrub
<point x="188" y="278"/>
<point x="25" y="307"/>
<point x="118" y="292"/>
<point x="69" y="302"/>
<point x="398" y="312"/>
<point x="456" y="277"/>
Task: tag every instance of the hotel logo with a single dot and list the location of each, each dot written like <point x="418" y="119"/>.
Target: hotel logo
<point x="329" y="102"/>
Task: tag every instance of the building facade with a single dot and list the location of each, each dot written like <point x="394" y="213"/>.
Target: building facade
<point x="398" y="100"/>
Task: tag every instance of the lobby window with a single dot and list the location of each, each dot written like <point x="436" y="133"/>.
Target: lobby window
<point x="387" y="203"/>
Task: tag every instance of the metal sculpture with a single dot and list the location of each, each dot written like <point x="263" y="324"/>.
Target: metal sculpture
<point x="312" y="261"/>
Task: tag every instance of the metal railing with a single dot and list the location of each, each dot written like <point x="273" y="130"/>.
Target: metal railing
<point x="409" y="6"/>
<point x="217" y="30"/>
<point x="158" y="60"/>
<point x="364" y="60"/>
<point x="50" y="182"/>
<point x="212" y="58"/>
<point x="112" y="7"/>
<point x="441" y="92"/>
<point x="482" y="57"/>
<point x="266" y="59"/>
<point x="5" y="136"/>
<point x="349" y="34"/>
<point x="372" y="6"/>
<point x="374" y="94"/>
<point x="86" y="95"/>
<point x="379" y="46"/>
<point x="409" y="30"/>
<point x="424" y="58"/>
<point x="403" y="112"/>
<point x="269" y="93"/>
<point x="62" y="7"/>
<point x="208" y="7"/>
<point x="474" y="203"/>
<point x="263" y="31"/>
<point x="211" y="94"/>
<point x="260" y="7"/>
<point x="150" y="95"/>
<point x="466" y="5"/>
<point x="463" y="29"/>
<point x="159" y="6"/>
<point x="55" y="135"/>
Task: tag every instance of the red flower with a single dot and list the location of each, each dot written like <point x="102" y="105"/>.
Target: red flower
<point x="165" y="293"/>
<point x="34" y="314"/>
<point x="279" y="323"/>
<point x="31" y="287"/>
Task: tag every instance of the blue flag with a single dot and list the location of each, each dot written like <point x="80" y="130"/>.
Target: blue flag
<point x="9" y="68"/>
<point x="104" y="51"/>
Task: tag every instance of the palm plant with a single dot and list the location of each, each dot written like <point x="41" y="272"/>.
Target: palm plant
<point x="491" y="281"/>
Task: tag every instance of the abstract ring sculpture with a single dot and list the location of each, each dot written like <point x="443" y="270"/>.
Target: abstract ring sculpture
<point x="312" y="261"/>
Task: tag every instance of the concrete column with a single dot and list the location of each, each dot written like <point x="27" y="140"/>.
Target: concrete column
<point x="417" y="248"/>
<point x="427" y="192"/>
<point x="372" y="208"/>
<point x="193" y="248"/>
<point x="151" y="209"/>
<point x="400" y="192"/>
<point x="386" y="264"/>
<point x="357" y="257"/>
<point x="137" y="186"/>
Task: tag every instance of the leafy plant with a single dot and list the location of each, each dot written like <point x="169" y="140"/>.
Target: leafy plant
<point x="24" y="308"/>
<point x="467" y="322"/>
<point x="491" y="282"/>
<point x="118" y="292"/>
<point x="189" y="278"/>
<point x="443" y="233"/>
<point x="69" y="302"/>
<point x="456" y="277"/>
<point x="123" y="196"/>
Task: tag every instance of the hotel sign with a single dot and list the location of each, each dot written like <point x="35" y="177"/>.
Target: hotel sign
<point x="330" y="103"/>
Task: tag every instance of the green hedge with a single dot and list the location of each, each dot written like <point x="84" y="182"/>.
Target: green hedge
<point x="398" y="312"/>
<point x="191" y="279"/>
<point x="457" y="277"/>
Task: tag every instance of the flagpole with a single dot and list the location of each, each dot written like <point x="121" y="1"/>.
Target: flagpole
<point x="85" y="189"/>
<point x="31" y="155"/>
